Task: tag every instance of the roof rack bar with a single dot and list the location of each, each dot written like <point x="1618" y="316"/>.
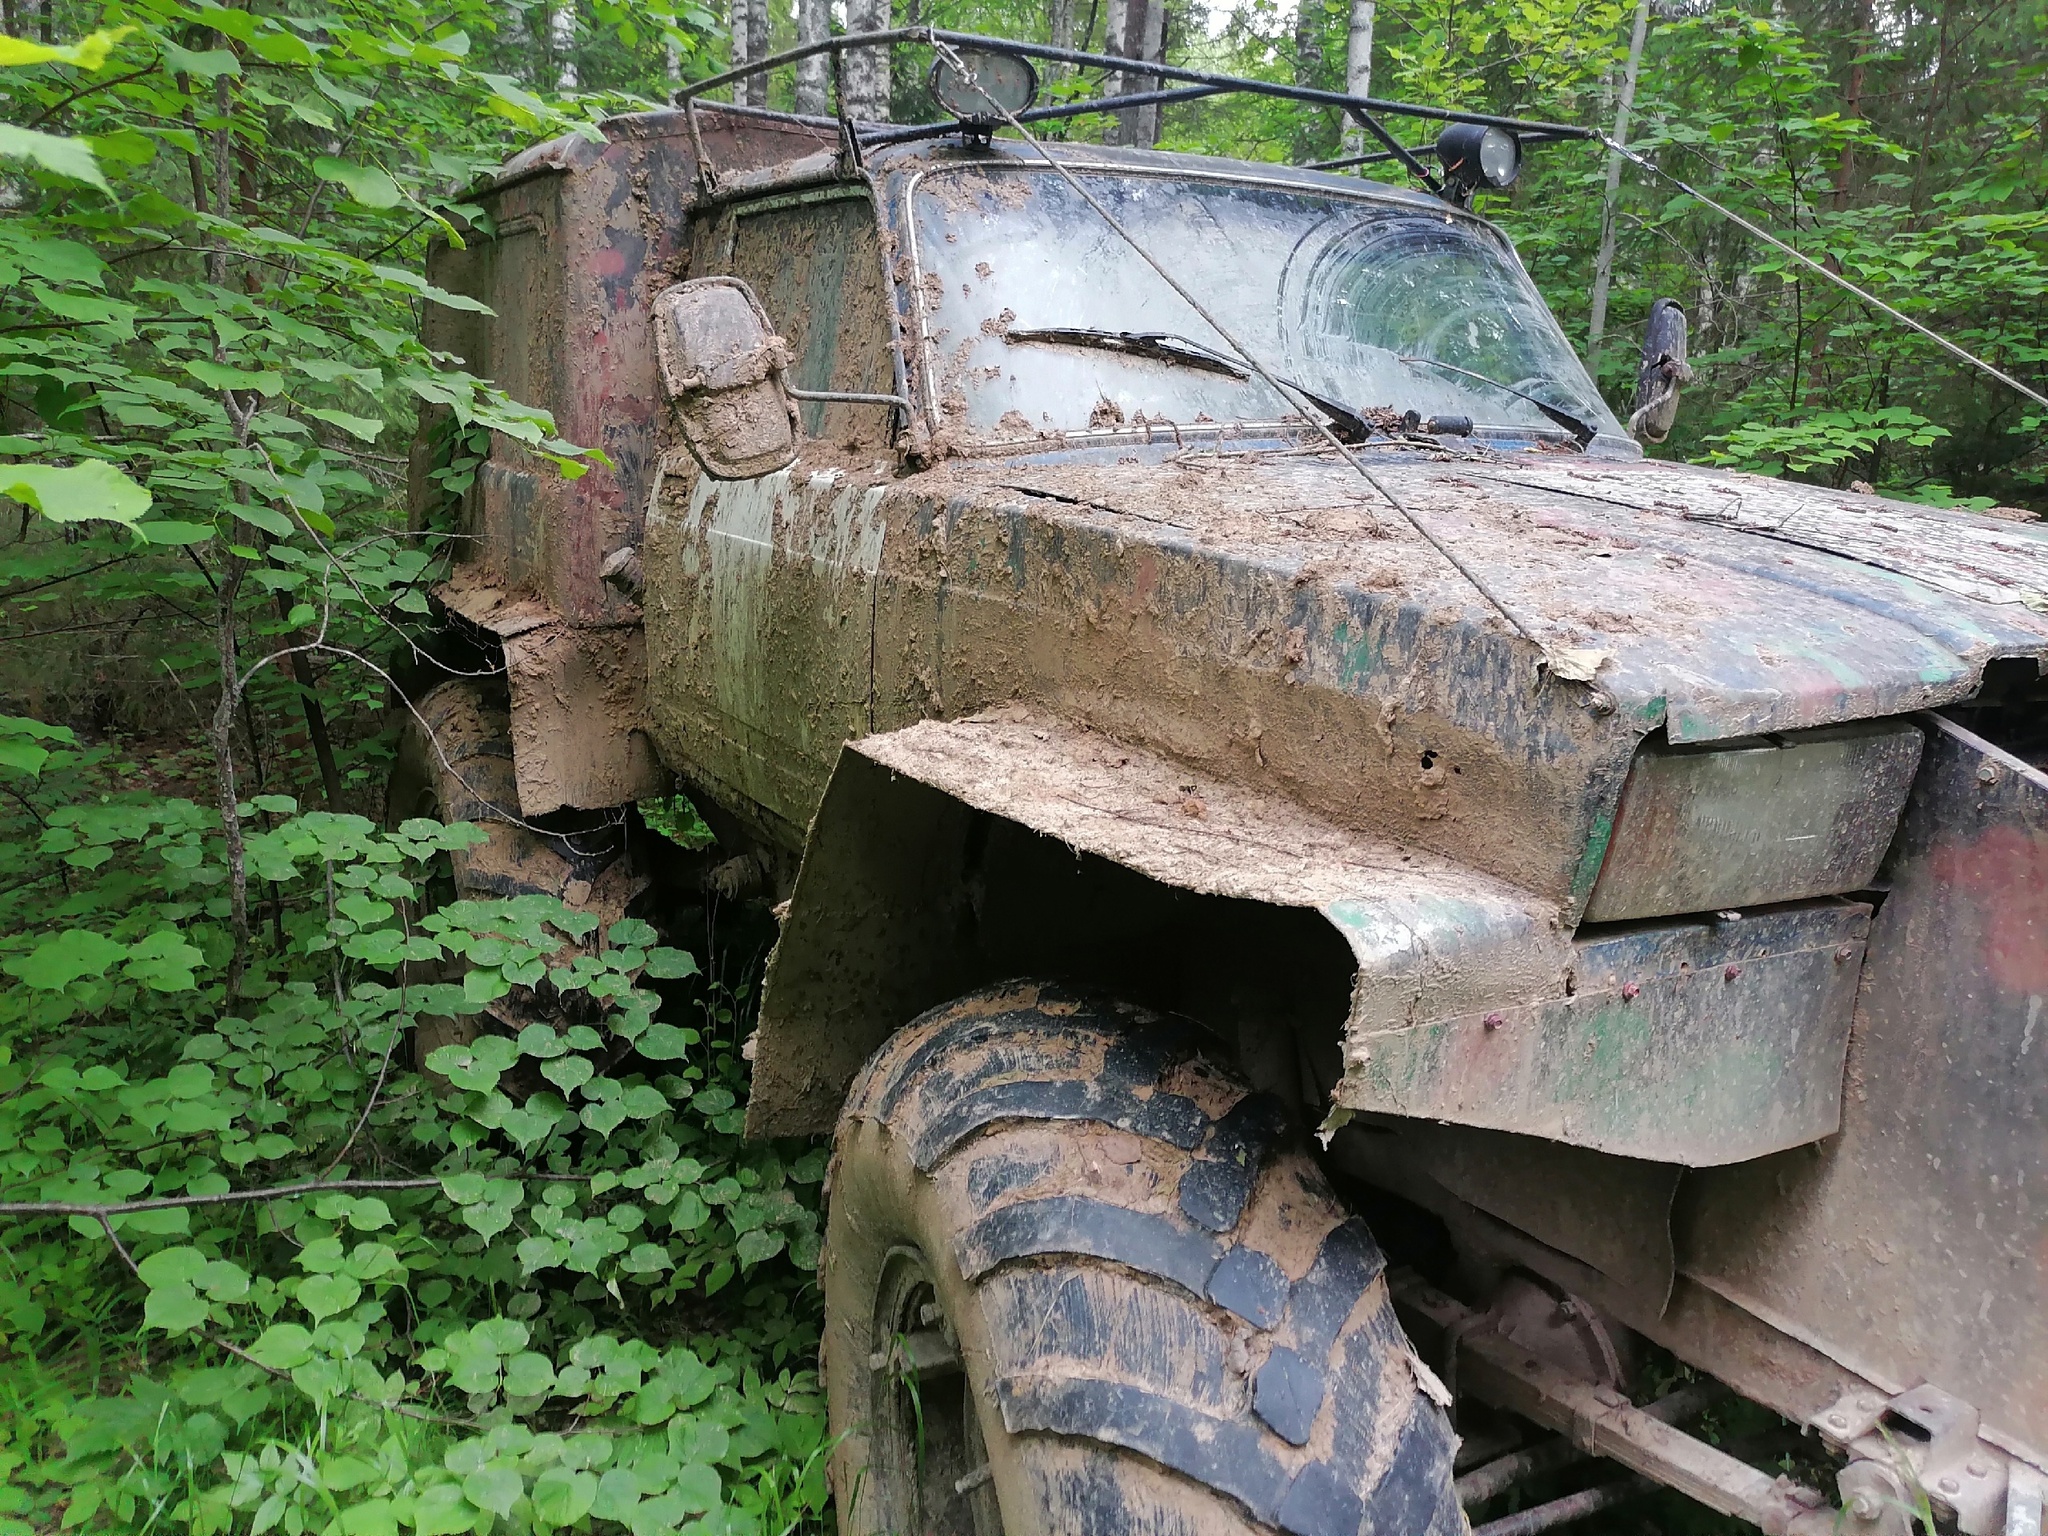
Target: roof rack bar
<point x="1344" y="162"/>
<point x="910" y="132"/>
<point x="1146" y="67"/>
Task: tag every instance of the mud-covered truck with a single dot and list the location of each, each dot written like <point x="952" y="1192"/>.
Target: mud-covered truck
<point x="1328" y="903"/>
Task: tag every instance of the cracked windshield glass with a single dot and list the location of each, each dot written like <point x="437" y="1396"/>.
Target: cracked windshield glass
<point x="1039" y="319"/>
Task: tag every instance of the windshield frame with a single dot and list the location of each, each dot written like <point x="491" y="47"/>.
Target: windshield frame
<point x="912" y="287"/>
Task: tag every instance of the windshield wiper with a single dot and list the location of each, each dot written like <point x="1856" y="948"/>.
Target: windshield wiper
<point x="1159" y="346"/>
<point x="1165" y="347"/>
<point x="1583" y="432"/>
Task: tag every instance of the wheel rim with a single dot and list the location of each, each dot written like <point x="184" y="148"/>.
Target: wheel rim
<point x="928" y="1467"/>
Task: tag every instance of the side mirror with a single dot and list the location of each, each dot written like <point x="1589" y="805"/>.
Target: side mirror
<point x="721" y="367"/>
<point x="1662" y="373"/>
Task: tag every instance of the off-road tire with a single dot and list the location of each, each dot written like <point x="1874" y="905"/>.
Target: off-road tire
<point x="1169" y="1324"/>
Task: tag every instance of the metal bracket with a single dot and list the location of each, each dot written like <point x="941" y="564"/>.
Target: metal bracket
<point x="1927" y="1443"/>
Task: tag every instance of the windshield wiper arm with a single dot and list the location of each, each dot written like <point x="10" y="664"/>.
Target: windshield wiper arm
<point x="1159" y="346"/>
<point x="1584" y="432"/>
<point x="1164" y="347"/>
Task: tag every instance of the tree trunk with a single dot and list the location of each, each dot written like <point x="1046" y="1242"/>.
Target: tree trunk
<point x="1358" y="67"/>
<point x="562" y="43"/>
<point x="1143" y="36"/>
<point x="813" y="25"/>
<point x="864" y="72"/>
<point x="1603" y="265"/>
<point x="1308" y="43"/>
<point x="1852" y="101"/>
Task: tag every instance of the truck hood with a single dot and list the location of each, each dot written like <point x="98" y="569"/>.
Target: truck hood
<point x="1715" y="604"/>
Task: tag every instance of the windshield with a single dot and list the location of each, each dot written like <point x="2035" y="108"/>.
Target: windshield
<point x="1354" y="298"/>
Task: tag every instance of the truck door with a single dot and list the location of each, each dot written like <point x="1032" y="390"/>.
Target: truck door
<point x="760" y="592"/>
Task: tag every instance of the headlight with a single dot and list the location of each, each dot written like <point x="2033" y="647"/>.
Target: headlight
<point x="1757" y="821"/>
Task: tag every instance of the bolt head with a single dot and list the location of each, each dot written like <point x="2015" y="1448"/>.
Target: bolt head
<point x="1864" y="1505"/>
<point x="1948" y="1485"/>
<point x="1838" y="1421"/>
<point x="1494" y="1021"/>
<point x="1977" y="1469"/>
<point x="1731" y="973"/>
<point x="1844" y="953"/>
<point x="1630" y="991"/>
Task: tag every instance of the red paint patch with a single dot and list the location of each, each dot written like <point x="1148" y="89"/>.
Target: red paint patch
<point x="610" y="262"/>
<point x="2004" y="874"/>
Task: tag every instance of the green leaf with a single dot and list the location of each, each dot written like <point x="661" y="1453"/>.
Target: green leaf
<point x="172" y="1267"/>
<point x="58" y="962"/>
<point x="221" y="376"/>
<point x="441" y="1510"/>
<point x="370" y="185"/>
<point x="665" y="1042"/>
<point x="528" y="1375"/>
<point x="283" y="1346"/>
<point x="630" y="932"/>
<point x="495" y="1487"/>
<point x="77" y="493"/>
<point x="325" y="1295"/>
<point x="174" y="1308"/>
<point x="166" y="531"/>
<point x="72" y="158"/>
<point x="562" y="1496"/>
<point x="366" y="428"/>
<point x="89" y="52"/>
<point x="567" y="1072"/>
<point x="670" y="965"/>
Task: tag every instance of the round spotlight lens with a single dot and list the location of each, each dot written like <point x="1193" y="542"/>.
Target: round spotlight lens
<point x="1500" y="157"/>
<point x="985" y="86"/>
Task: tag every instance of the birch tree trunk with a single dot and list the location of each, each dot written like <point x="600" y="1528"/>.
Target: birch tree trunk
<point x="737" y="13"/>
<point x="562" y="43"/>
<point x="1603" y="264"/>
<point x="1358" y="67"/>
<point x="813" y="25"/>
<point x="864" y="72"/>
<point x="1141" y="36"/>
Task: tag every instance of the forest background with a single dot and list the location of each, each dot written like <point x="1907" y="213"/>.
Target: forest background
<point x="555" y="1289"/>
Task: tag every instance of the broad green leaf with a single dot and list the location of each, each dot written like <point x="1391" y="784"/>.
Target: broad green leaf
<point x="528" y="1375"/>
<point x="665" y="1042"/>
<point x="670" y="965"/>
<point x="441" y="1510"/>
<point x="172" y="1267"/>
<point x="89" y="52"/>
<point x="201" y="66"/>
<point x="630" y="932"/>
<point x="495" y="1487"/>
<point x="562" y="1496"/>
<point x="325" y="1295"/>
<point x="283" y="1346"/>
<point x="71" y="158"/>
<point x="221" y="376"/>
<point x="366" y="428"/>
<point x="55" y="963"/>
<point x="175" y="1309"/>
<point x="370" y="185"/>
<point x="76" y="493"/>
<point x="165" y="531"/>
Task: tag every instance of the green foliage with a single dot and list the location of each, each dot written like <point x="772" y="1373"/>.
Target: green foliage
<point x="556" y="1293"/>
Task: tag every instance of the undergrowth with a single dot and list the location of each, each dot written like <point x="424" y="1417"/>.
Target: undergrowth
<point x="262" y="1273"/>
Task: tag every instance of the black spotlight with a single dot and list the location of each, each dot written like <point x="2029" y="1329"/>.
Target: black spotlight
<point x="1475" y="155"/>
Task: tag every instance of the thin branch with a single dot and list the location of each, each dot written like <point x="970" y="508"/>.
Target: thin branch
<point x="104" y="1212"/>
